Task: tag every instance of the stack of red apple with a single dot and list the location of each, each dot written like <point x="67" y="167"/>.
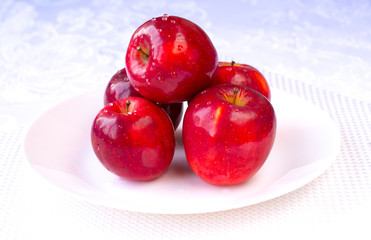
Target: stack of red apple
<point x="228" y="127"/>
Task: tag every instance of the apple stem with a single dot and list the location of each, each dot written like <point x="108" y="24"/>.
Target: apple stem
<point x="232" y="63"/>
<point x="141" y="51"/>
<point x="235" y="91"/>
<point x="127" y="105"/>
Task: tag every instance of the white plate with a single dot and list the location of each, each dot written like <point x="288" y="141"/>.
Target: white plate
<point x="58" y="147"/>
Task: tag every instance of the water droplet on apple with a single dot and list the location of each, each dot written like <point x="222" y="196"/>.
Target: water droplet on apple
<point x="203" y="92"/>
<point x="208" y="103"/>
<point x="160" y="78"/>
<point x="180" y="47"/>
<point x="148" y="82"/>
<point x="173" y="74"/>
<point x="197" y="105"/>
<point x="165" y="16"/>
<point x="159" y="30"/>
<point x="236" y="110"/>
<point x="172" y="21"/>
<point x="197" y="120"/>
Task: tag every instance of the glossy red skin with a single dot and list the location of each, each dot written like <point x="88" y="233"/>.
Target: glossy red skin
<point x="138" y="145"/>
<point x="181" y="59"/>
<point x="241" y="74"/>
<point x="230" y="147"/>
<point x="119" y="87"/>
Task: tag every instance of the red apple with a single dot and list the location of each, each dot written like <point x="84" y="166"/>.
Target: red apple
<point x="119" y="87"/>
<point x="133" y="138"/>
<point x="228" y="133"/>
<point x="241" y="74"/>
<point x="169" y="59"/>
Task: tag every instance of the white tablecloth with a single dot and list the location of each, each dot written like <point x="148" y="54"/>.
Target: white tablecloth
<point x="318" y="50"/>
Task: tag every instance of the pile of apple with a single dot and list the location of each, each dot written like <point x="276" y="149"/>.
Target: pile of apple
<point x="229" y="124"/>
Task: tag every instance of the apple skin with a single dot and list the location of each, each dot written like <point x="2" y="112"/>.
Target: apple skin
<point x="170" y="59"/>
<point x="224" y="143"/>
<point x="241" y="74"/>
<point x="136" y="144"/>
<point x="119" y="87"/>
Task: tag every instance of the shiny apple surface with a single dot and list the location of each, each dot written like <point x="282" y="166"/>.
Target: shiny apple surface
<point x="241" y="74"/>
<point x="169" y="59"/>
<point x="119" y="87"/>
<point x="118" y="141"/>
<point x="228" y="133"/>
